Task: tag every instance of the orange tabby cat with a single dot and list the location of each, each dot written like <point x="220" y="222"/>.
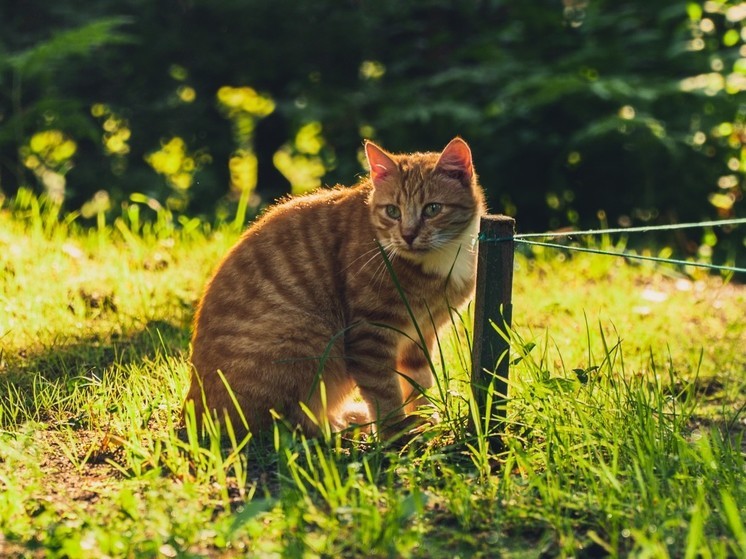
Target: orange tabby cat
<point x="306" y="295"/>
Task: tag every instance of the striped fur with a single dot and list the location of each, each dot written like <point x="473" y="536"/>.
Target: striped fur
<point x="306" y="295"/>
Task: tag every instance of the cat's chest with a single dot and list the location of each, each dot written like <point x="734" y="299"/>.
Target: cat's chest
<point x="443" y="283"/>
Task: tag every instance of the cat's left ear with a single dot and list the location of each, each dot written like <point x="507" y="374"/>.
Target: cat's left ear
<point x="381" y="165"/>
<point x="455" y="161"/>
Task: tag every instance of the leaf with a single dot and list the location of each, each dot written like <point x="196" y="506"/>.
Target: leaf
<point x="411" y="505"/>
<point x="249" y="511"/>
<point x="584" y="374"/>
<point x="733" y="516"/>
<point x="72" y="42"/>
<point x="525" y="351"/>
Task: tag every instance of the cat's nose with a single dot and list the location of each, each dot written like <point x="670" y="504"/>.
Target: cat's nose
<point x="409" y="237"/>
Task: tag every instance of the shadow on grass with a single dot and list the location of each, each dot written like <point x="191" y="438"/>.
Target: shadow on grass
<point x="33" y="381"/>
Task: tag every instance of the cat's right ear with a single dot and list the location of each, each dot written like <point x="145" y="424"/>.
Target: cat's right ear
<point x="381" y="165"/>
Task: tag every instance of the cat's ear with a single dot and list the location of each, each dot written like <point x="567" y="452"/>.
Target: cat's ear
<point x="455" y="161"/>
<point x="381" y="165"/>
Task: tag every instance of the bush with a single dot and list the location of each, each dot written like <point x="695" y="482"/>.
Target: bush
<point x="629" y="108"/>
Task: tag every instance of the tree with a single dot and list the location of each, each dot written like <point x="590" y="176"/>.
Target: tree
<point x="570" y="109"/>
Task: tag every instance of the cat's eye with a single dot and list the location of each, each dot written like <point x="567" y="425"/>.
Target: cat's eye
<point x="393" y="211"/>
<point x="432" y="210"/>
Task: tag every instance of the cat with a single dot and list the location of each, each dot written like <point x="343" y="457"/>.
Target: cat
<point x="306" y="296"/>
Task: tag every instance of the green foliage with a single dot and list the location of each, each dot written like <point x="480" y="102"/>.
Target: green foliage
<point x="25" y="70"/>
<point x="38" y="59"/>
<point x="629" y="107"/>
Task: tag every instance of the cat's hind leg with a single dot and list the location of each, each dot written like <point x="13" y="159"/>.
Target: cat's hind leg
<point x="415" y="376"/>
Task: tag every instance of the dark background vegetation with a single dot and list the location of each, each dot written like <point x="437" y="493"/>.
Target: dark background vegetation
<point x="577" y="111"/>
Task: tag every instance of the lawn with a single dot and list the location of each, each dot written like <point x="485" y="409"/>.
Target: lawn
<point x="624" y="434"/>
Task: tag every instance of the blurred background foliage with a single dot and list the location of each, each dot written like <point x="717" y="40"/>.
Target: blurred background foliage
<point x="578" y="111"/>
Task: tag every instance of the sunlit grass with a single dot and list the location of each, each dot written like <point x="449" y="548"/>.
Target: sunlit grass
<point x="624" y="432"/>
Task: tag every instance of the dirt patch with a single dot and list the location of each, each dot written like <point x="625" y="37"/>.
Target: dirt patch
<point x="80" y="474"/>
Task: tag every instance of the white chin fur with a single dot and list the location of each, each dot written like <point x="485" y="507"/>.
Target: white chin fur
<point x="457" y="258"/>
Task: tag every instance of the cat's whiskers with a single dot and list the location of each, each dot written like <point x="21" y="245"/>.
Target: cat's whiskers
<point x="391" y="252"/>
<point x="374" y="248"/>
<point x="443" y="241"/>
<point x="447" y="248"/>
<point x="374" y="251"/>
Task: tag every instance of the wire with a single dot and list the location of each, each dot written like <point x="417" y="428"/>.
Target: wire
<point x="643" y="229"/>
<point x="633" y="256"/>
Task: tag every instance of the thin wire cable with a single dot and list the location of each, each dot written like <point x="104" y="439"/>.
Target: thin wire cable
<point x="631" y="256"/>
<point x="642" y="229"/>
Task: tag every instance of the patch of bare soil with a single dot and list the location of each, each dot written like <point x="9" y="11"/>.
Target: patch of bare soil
<point x="69" y="482"/>
<point x="80" y="475"/>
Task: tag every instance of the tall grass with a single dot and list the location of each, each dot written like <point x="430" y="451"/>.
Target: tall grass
<point x="622" y="437"/>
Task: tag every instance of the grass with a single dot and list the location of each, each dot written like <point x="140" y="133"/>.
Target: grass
<point x="624" y="434"/>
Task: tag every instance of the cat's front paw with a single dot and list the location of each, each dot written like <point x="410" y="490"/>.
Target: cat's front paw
<point x="352" y="416"/>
